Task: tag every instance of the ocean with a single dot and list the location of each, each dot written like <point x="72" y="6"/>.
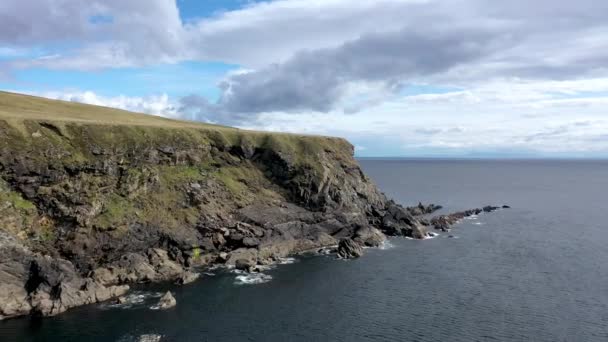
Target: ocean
<point x="535" y="272"/>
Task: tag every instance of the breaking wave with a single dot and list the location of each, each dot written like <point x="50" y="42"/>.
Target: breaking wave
<point x="252" y="279"/>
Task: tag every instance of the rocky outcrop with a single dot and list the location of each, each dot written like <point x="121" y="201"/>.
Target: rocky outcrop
<point x="445" y="222"/>
<point x="167" y="301"/>
<point x="422" y="209"/>
<point x="369" y="236"/>
<point x="349" y="249"/>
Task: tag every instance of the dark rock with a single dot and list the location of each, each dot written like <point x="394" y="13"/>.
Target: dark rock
<point x="349" y="249"/>
<point x="444" y="222"/>
<point x="489" y="208"/>
<point x="244" y="264"/>
<point x="506" y="207"/>
<point x="421" y="209"/>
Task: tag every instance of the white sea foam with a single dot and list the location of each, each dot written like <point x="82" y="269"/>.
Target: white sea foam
<point x="252" y="279"/>
<point x="149" y="338"/>
<point x="431" y="235"/>
<point x="472" y="217"/>
<point x="141" y="338"/>
<point x="286" y="261"/>
<point x="133" y="299"/>
<point x="478" y="223"/>
<point x="386" y="245"/>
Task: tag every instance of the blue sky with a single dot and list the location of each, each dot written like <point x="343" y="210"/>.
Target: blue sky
<point x="486" y="79"/>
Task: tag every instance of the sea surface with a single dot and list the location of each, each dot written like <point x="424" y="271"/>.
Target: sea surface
<point x="536" y="272"/>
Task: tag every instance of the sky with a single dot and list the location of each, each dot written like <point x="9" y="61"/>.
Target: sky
<point x="404" y="78"/>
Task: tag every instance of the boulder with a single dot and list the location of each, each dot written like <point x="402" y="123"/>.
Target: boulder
<point x="167" y="301"/>
<point x="244" y="264"/>
<point x="419" y="231"/>
<point x="369" y="236"/>
<point x="165" y="268"/>
<point x="349" y="249"/>
<point x="248" y="254"/>
<point x="187" y="277"/>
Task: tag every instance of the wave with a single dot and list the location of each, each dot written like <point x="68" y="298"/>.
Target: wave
<point x="286" y="261"/>
<point x="386" y="245"/>
<point x="141" y="338"/>
<point x="133" y="300"/>
<point x="252" y="279"/>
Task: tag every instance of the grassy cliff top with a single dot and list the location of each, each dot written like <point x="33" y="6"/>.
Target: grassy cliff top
<point x="33" y="116"/>
<point x="19" y="107"/>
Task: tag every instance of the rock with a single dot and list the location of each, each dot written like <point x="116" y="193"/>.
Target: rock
<point x="166" y="269"/>
<point x="167" y="301"/>
<point x="244" y="264"/>
<point x="187" y="277"/>
<point x="369" y="236"/>
<point x="121" y="300"/>
<point x="419" y="231"/>
<point x="246" y="255"/>
<point x="223" y="257"/>
<point x="444" y="222"/>
<point x="489" y="208"/>
<point x="251" y="242"/>
<point x="421" y="209"/>
<point x="349" y="249"/>
<point x="506" y="207"/>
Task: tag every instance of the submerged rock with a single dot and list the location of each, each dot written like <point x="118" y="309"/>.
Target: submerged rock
<point x="349" y="249"/>
<point x="167" y="301"/>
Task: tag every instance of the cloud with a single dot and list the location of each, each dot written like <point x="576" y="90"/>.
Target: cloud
<point x="155" y="104"/>
<point x="469" y="42"/>
<point x="522" y="69"/>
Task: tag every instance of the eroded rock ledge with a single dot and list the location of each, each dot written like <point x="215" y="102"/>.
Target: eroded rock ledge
<point x="87" y="209"/>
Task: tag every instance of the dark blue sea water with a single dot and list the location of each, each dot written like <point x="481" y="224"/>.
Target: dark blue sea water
<point x="536" y="272"/>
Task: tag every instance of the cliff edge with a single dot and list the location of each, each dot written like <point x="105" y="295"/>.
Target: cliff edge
<point x="93" y="198"/>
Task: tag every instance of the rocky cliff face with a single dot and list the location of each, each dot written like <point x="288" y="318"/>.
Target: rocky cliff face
<point x="86" y="208"/>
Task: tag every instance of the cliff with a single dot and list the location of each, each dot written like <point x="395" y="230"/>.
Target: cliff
<point x="92" y="199"/>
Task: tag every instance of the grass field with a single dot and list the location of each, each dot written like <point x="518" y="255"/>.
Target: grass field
<point x="18" y="107"/>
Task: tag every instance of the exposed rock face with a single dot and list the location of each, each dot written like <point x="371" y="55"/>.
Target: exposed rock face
<point x="32" y="283"/>
<point x="167" y="301"/>
<point x="349" y="249"/>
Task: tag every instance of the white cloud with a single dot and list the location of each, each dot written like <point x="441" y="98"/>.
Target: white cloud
<point x="511" y="115"/>
<point x="527" y="71"/>
<point x="154" y="104"/>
